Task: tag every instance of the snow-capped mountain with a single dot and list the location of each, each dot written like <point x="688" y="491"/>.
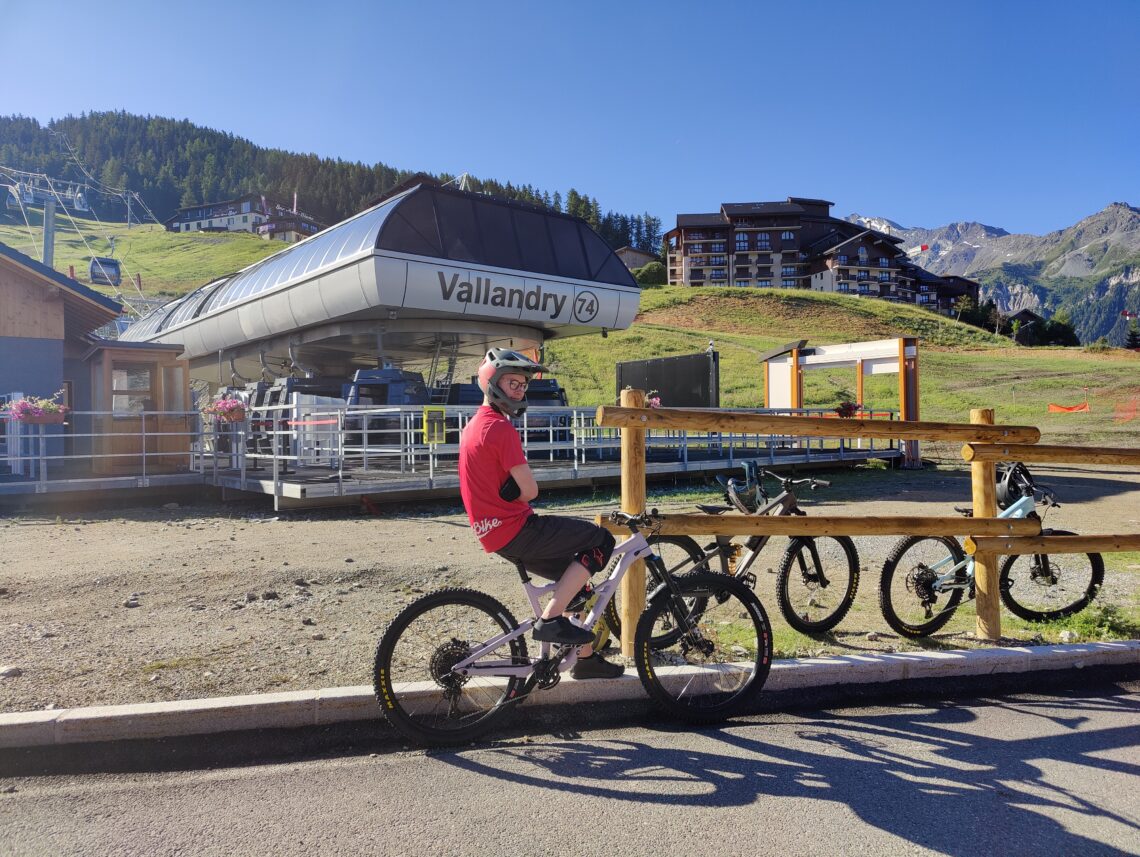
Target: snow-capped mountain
<point x="1090" y="269"/>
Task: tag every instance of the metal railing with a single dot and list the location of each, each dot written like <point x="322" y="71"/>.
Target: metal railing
<point x="277" y="443"/>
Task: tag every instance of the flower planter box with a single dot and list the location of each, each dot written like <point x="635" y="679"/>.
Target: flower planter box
<point x="44" y="419"/>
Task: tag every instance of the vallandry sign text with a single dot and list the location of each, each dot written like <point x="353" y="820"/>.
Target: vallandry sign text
<point x="484" y="292"/>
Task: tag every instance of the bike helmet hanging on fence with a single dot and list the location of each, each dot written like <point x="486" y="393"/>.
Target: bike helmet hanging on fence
<point x="1013" y="483"/>
<point x="503" y="361"/>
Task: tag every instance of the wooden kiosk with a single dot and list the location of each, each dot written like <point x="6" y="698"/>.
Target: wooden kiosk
<point x="140" y="399"/>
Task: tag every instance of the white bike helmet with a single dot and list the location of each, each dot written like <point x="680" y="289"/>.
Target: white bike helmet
<point x="503" y="361"/>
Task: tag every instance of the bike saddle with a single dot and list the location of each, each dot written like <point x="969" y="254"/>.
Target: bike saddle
<point x="713" y="510"/>
<point x="967" y="511"/>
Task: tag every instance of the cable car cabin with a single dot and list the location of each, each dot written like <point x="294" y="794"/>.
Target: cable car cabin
<point x="104" y="270"/>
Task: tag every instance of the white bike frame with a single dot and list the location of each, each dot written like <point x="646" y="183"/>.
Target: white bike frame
<point x="628" y="552"/>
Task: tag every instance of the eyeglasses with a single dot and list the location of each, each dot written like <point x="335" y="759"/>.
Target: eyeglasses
<point x="515" y="386"/>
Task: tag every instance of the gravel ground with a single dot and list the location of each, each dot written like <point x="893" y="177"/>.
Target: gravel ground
<point x="191" y="600"/>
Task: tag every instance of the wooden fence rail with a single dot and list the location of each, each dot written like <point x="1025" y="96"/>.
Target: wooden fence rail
<point x="730" y="421"/>
<point x="1044" y="453"/>
<point x="985" y="444"/>
<point x="1052" y="544"/>
<point x="832" y="525"/>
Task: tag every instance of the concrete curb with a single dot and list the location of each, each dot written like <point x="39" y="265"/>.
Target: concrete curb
<point x="341" y="704"/>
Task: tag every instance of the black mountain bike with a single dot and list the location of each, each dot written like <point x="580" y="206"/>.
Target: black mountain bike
<point x="817" y="577"/>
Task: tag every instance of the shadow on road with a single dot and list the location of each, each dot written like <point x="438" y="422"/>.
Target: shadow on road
<point x="920" y="775"/>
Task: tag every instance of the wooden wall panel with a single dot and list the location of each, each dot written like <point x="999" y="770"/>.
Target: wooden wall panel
<point x="29" y="308"/>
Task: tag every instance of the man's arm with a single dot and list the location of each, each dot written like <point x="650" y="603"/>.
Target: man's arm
<point x="524" y="478"/>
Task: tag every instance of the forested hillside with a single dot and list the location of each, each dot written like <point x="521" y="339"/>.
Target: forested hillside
<point x="174" y="163"/>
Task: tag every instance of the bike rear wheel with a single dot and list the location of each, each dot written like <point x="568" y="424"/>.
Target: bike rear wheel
<point x="817" y="581"/>
<point x="1041" y="587"/>
<point x="715" y="663"/>
<point x="913" y="604"/>
<point x="423" y="699"/>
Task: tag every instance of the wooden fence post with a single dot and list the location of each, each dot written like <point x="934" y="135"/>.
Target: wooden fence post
<point x="983" y="476"/>
<point x="633" y="503"/>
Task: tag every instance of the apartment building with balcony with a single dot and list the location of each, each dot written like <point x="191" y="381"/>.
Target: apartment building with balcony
<point x="797" y="244"/>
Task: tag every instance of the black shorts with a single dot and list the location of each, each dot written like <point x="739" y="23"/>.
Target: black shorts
<point x="547" y="544"/>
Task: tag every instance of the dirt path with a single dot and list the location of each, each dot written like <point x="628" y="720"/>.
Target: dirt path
<point x="188" y="601"/>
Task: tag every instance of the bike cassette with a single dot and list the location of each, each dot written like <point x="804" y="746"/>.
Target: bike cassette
<point x="442" y="661"/>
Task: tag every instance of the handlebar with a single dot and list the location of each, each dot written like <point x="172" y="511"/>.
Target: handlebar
<point x="643" y="519"/>
<point x="811" y="482"/>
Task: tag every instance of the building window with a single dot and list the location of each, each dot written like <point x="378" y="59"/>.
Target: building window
<point x="718" y="260"/>
<point x="696" y="248"/>
<point x="245" y="218"/>
<point x="742" y="284"/>
<point x="884" y="262"/>
<point x="717" y="247"/>
<point x="717" y="274"/>
<point x="789" y="284"/>
<point x="763" y="241"/>
<point x="841" y="259"/>
<point x="131" y="389"/>
<point x="741" y="243"/>
<point x="763" y="284"/>
<point x="863" y="256"/>
<point x="787" y="236"/>
<point x="788" y="271"/>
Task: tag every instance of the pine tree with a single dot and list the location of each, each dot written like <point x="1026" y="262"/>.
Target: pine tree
<point x="1132" y="338"/>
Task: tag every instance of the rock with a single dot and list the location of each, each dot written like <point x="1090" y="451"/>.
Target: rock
<point x="319" y="636"/>
<point x="308" y="621"/>
<point x="1069" y="636"/>
<point x="3" y="590"/>
<point x="131" y="602"/>
<point x="9" y="790"/>
<point x="441" y="568"/>
<point x="873" y="636"/>
<point x="349" y="559"/>
<point x="10" y="672"/>
<point x="300" y="581"/>
<point x="270" y="595"/>
<point x="251" y="596"/>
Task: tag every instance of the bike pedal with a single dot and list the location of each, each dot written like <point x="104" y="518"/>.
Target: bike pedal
<point x="749" y="580"/>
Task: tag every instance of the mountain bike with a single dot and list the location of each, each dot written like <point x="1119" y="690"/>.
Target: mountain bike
<point x="454" y="662"/>
<point x="925" y="578"/>
<point x="817" y="577"/>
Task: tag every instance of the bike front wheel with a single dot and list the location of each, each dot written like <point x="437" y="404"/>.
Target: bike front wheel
<point x="915" y="598"/>
<point x="422" y="697"/>
<point x="817" y="581"/>
<point x="1041" y="587"/>
<point x="673" y="555"/>
<point x="714" y="663"/>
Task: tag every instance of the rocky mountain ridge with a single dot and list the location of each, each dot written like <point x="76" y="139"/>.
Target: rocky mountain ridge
<point x="1090" y="270"/>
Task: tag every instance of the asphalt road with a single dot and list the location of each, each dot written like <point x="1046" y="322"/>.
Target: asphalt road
<point x="1020" y="774"/>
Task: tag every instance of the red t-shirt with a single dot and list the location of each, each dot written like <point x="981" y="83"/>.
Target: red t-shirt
<point x="488" y="449"/>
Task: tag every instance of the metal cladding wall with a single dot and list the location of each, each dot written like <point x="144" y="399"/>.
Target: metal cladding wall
<point x="31" y="366"/>
<point x="687" y="381"/>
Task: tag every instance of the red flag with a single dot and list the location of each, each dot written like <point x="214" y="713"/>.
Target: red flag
<point x="923" y="248"/>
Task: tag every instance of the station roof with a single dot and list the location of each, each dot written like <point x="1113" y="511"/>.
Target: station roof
<point x="462" y="230"/>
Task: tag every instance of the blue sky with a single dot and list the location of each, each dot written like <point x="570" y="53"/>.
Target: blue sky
<point x="1024" y="115"/>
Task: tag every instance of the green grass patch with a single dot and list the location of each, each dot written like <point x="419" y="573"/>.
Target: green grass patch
<point x="1095" y="622"/>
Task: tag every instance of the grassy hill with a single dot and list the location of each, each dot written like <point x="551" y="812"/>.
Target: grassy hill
<point x="171" y="264"/>
<point x="960" y="367"/>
